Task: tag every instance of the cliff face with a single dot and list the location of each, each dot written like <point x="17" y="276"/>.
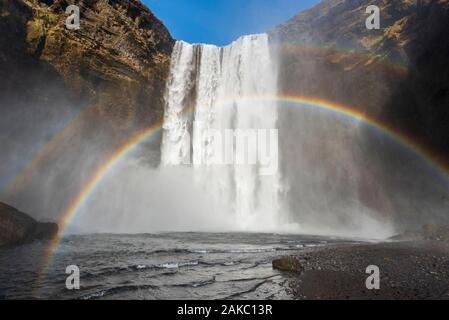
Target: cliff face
<point x="398" y="74"/>
<point x="17" y="228"/>
<point x="116" y="63"/>
<point x="341" y="24"/>
<point x="74" y="95"/>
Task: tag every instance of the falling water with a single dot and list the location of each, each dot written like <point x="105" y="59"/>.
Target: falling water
<point x="224" y="87"/>
<point x="324" y="182"/>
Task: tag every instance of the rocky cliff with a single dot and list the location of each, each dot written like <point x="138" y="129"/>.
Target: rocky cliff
<point x="17" y="227"/>
<point x="115" y="64"/>
<point x="341" y="24"/>
<point x="75" y="96"/>
<point x="398" y="74"/>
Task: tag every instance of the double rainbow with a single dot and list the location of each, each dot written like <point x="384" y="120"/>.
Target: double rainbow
<point x="306" y="102"/>
<point x="48" y="147"/>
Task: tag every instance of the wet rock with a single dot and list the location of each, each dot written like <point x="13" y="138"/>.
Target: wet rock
<point x="18" y="228"/>
<point x="290" y="264"/>
<point x="45" y="230"/>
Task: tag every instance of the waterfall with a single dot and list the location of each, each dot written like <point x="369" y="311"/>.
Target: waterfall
<point x="225" y="90"/>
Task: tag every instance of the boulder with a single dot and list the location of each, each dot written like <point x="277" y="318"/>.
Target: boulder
<point x="45" y="230"/>
<point x="18" y="228"/>
<point x="290" y="264"/>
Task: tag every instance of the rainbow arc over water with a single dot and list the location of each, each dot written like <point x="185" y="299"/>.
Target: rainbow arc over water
<point x="89" y="188"/>
<point x="46" y="148"/>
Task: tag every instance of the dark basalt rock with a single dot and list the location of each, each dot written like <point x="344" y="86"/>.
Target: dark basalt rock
<point x="290" y="264"/>
<point x="18" y="228"/>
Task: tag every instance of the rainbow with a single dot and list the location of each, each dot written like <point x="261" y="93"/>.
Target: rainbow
<point x="314" y="103"/>
<point x="43" y="152"/>
<point x="89" y="188"/>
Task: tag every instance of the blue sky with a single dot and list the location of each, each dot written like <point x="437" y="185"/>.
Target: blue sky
<point x="223" y="21"/>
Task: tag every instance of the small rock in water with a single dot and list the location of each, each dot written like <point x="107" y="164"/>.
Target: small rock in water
<point x="290" y="264"/>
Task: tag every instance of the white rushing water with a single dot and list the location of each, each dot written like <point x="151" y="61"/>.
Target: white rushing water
<point x="322" y="184"/>
<point x="223" y="89"/>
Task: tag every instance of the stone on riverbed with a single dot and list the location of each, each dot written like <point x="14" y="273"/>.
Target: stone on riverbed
<point x="290" y="264"/>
